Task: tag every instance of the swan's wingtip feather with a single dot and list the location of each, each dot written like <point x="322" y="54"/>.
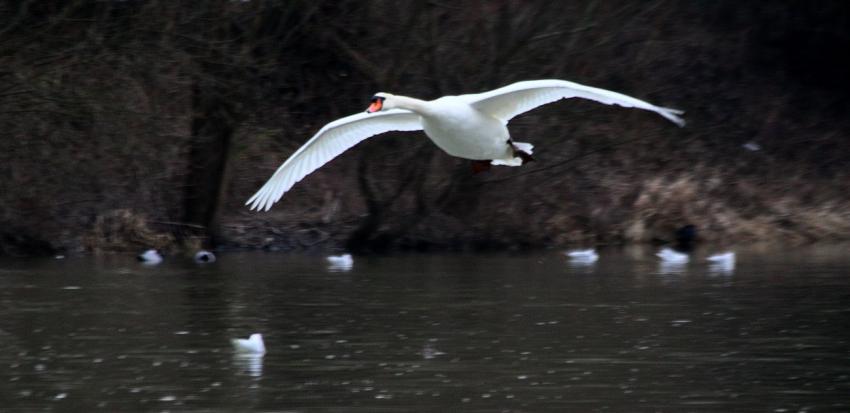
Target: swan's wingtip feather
<point x="673" y="115"/>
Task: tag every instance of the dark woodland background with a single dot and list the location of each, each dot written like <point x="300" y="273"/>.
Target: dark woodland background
<point x="134" y="124"/>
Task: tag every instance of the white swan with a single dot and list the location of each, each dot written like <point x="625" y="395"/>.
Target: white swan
<point x="252" y="345"/>
<point x="467" y="126"/>
<point x="583" y="256"/>
<point x="673" y="257"/>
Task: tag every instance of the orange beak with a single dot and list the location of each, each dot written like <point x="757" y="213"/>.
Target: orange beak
<point x="376" y="105"/>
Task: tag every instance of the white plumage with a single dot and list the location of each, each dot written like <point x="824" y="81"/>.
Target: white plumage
<point x="252" y="345"/>
<point x="342" y="262"/>
<point x="673" y="257"/>
<point x="722" y="263"/>
<point x="583" y="256"/>
<point x="727" y="258"/>
<point x="150" y="257"/>
<point x="204" y="257"/>
<point x="467" y="126"/>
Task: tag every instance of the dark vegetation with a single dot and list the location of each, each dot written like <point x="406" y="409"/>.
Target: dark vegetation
<point x="131" y="124"/>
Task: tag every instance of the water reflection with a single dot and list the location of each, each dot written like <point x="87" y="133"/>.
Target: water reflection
<point x="248" y="364"/>
<point x="672" y="267"/>
<point x="427" y="333"/>
<point x="430" y="351"/>
<point x="721" y="268"/>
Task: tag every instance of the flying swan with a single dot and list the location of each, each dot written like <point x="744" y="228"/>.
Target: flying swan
<point x="467" y="126"/>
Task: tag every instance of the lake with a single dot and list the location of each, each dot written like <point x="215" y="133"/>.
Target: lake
<point x="509" y="332"/>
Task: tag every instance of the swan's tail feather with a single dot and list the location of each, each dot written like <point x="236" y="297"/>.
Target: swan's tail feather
<point x="507" y="162"/>
<point x="523" y="147"/>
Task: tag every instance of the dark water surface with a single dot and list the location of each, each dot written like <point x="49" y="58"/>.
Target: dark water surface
<point x="429" y="333"/>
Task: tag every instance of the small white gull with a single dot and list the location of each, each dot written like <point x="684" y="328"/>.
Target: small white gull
<point x="204" y="257"/>
<point x="585" y="256"/>
<point x="342" y="262"/>
<point x="674" y="257"/>
<point x="252" y="345"/>
<point x="150" y="257"/>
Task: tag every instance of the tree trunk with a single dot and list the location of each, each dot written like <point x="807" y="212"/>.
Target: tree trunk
<point x="212" y="128"/>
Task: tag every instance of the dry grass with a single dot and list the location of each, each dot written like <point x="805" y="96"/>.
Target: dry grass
<point x="124" y="230"/>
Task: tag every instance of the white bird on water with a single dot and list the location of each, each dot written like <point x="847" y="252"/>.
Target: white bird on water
<point x="583" y="256"/>
<point x="252" y="345"/>
<point x="727" y="258"/>
<point x="342" y="262"/>
<point x="150" y="257"/>
<point x="722" y="263"/>
<point x="673" y="257"/>
<point x="204" y="256"/>
<point x="470" y="126"/>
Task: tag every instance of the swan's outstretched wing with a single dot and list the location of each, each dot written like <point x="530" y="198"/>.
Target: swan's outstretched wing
<point x="506" y="102"/>
<point x="332" y="140"/>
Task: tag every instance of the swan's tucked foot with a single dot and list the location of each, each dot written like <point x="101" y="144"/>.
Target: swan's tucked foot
<point x="522" y="150"/>
<point x="525" y="156"/>
<point x="480" y="166"/>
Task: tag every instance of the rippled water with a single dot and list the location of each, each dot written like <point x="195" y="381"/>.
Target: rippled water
<point x="425" y="333"/>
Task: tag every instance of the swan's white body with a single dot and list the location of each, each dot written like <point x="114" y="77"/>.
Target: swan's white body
<point x="467" y="126"/>
<point x="584" y="256"/>
<point x="667" y="255"/>
<point x="450" y="117"/>
<point x="252" y="345"/>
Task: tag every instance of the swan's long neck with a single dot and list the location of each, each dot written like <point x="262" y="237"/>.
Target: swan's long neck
<point x="412" y="104"/>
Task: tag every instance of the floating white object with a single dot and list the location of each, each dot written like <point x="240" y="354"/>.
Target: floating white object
<point x="585" y="256"/>
<point x="722" y="263"/>
<point x="673" y="257"/>
<point x="751" y="146"/>
<point x="150" y="257"/>
<point x="430" y="352"/>
<point x="724" y="258"/>
<point x="470" y="126"/>
<point x="252" y="345"/>
<point x="204" y="256"/>
<point x="342" y="262"/>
